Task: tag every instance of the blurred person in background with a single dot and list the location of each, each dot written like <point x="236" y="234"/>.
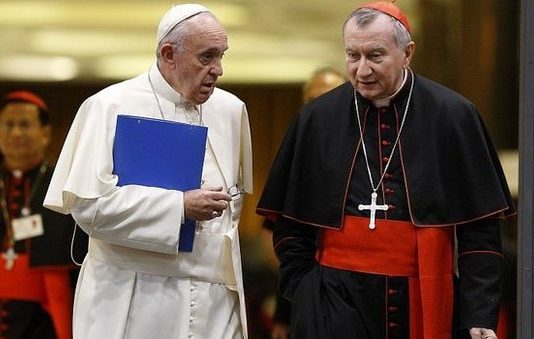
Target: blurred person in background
<point x="321" y="81"/>
<point x="35" y="266"/>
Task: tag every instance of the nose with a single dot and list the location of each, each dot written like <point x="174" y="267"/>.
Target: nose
<point x="217" y="68"/>
<point x="363" y="69"/>
<point x="17" y="130"/>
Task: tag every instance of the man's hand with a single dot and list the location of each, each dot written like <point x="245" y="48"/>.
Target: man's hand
<point x="280" y="331"/>
<point x="482" y="333"/>
<point x="205" y="203"/>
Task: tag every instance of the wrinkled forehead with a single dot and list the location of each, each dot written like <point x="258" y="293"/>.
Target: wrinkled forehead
<point x="206" y="32"/>
<point x="205" y="23"/>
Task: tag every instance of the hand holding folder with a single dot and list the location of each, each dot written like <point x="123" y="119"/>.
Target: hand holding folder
<point x="160" y="153"/>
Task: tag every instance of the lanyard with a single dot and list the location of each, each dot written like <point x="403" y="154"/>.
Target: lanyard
<point x="25" y="211"/>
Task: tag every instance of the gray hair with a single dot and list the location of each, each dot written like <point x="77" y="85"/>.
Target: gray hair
<point x="366" y="16"/>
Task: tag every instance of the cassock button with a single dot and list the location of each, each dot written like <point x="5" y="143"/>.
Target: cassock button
<point x="383" y="110"/>
<point x="392" y="291"/>
<point x="392" y="325"/>
<point x="388" y="176"/>
<point x="386" y="142"/>
<point x="385" y="159"/>
<point x="384" y="126"/>
<point x="392" y="308"/>
<point x="391" y="207"/>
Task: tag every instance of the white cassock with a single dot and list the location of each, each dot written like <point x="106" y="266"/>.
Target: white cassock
<point x="134" y="283"/>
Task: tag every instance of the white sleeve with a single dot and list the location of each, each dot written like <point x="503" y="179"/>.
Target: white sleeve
<point x="145" y="218"/>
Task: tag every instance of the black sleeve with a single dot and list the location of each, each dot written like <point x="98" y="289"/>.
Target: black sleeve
<point x="294" y="245"/>
<point x="481" y="272"/>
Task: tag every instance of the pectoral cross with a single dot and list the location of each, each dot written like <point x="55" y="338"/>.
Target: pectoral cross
<point x="10" y="256"/>
<point x="372" y="208"/>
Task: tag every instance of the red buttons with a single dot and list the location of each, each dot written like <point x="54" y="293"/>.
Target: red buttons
<point x="388" y="176"/>
<point x="392" y="325"/>
<point x="392" y="291"/>
<point x="383" y="110"/>
<point x="392" y="207"/>
<point x="389" y="191"/>
<point x="384" y="126"/>
<point x="385" y="159"/>
<point x="392" y="309"/>
<point x="386" y="142"/>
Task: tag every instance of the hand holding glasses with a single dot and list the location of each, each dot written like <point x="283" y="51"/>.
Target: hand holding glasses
<point x="235" y="192"/>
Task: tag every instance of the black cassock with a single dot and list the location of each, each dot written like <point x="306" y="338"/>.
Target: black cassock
<point x="444" y="172"/>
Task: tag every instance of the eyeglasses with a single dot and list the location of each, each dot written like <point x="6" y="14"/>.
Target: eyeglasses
<point x="235" y="192"/>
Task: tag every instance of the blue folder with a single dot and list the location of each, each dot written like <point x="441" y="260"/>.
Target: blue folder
<point x="160" y="153"/>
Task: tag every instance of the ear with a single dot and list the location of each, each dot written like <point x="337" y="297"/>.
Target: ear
<point x="167" y="53"/>
<point x="408" y="53"/>
<point x="46" y="135"/>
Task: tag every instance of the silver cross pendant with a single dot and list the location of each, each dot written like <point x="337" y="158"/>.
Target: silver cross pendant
<point x="373" y="207"/>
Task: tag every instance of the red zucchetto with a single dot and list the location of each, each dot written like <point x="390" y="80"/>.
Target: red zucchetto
<point x="389" y="8"/>
<point x="26" y="96"/>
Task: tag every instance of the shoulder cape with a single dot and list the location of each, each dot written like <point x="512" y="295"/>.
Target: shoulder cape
<point x="451" y="168"/>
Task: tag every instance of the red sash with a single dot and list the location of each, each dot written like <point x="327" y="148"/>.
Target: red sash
<point x="397" y="248"/>
<point x="20" y="282"/>
<point x="49" y="287"/>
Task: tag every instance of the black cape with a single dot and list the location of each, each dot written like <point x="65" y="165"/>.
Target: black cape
<point x="451" y="168"/>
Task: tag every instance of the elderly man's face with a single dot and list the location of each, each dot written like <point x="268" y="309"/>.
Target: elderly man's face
<point x="197" y="67"/>
<point x="374" y="62"/>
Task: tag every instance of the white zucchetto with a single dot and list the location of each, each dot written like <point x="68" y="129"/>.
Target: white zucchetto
<point x="176" y="15"/>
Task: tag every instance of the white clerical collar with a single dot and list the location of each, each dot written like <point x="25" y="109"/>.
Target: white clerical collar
<point x="385" y="102"/>
<point x="163" y="88"/>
